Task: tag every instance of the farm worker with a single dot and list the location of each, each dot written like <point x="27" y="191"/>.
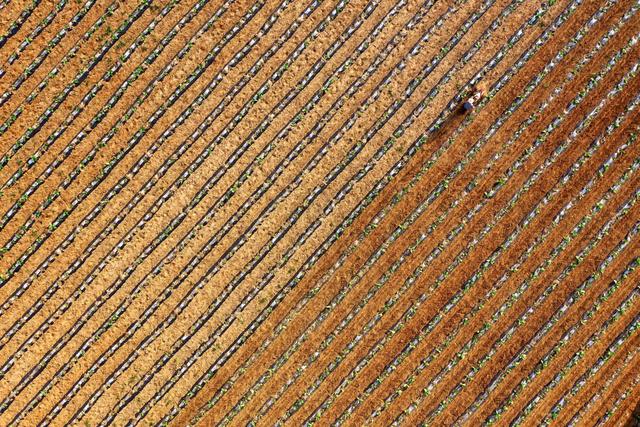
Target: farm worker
<point x="476" y="95"/>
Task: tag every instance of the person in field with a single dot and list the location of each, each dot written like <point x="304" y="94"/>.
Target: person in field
<point x="477" y="92"/>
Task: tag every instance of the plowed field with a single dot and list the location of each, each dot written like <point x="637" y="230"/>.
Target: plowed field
<point x="278" y="212"/>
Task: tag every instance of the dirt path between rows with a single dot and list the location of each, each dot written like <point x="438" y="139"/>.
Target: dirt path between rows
<point x="321" y="267"/>
<point x="34" y="49"/>
<point x="581" y="400"/>
<point x="577" y="343"/>
<point x="600" y="218"/>
<point x="630" y="372"/>
<point x="482" y="286"/>
<point x="11" y="15"/>
<point x="432" y="271"/>
<point x="344" y="308"/>
<point x="57" y="267"/>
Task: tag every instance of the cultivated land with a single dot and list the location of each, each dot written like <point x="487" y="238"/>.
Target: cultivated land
<point x="277" y="212"/>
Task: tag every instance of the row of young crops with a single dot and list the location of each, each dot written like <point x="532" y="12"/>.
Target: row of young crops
<point x="274" y="212"/>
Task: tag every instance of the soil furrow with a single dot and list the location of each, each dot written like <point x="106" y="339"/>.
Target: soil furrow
<point x="65" y="243"/>
<point x="18" y="292"/>
<point x="356" y="298"/>
<point x="20" y="25"/>
<point x="62" y="94"/>
<point x="384" y="199"/>
<point x="489" y="278"/>
<point x="45" y="30"/>
<point x="36" y="65"/>
<point x="67" y="161"/>
<point x="592" y="389"/>
<point x="570" y="350"/>
<point x="518" y="340"/>
<point x="231" y="23"/>
<point x="469" y="263"/>
<point x="312" y="340"/>
<point x="602" y="86"/>
<point x="626" y="377"/>
<point x="53" y="66"/>
<point x="404" y="212"/>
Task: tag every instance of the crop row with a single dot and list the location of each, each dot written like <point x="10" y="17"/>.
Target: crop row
<point x="271" y="179"/>
<point x="218" y="48"/>
<point x="247" y="204"/>
<point x="91" y="94"/>
<point x="44" y="53"/>
<point x="371" y="260"/>
<point x="558" y="315"/>
<point x="245" y="300"/>
<point x="333" y="304"/>
<point x="535" y="274"/>
<point x="454" y="300"/>
<point x="108" y="167"/>
<point x="16" y="24"/>
<point x="36" y="32"/>
<point x="312" y="260"/>
<point x="425" y="362"/>
<point x="440" y="278"/>
<point x="588" y="377"/>
<point x="45" y="81"/>
<point x="602" y="298"/>
<point x="563" y="244"/>
<point x="81" y="135"/>
<point x="629" y="391"/>
<point x="253" y="10"/>
<point x="34" y="129"/>
<point x="70" y="238"/>
<point x="137" y="332"/>
<point x="93" y="153"/>
<point x="68" y="150"/>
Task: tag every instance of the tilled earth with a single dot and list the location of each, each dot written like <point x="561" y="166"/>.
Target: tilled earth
<point x="277" y="212"/>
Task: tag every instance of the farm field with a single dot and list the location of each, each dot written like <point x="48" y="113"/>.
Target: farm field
<point x="278" y="212"/>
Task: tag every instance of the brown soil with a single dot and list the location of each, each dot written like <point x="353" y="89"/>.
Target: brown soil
<point x="354" y="298"/>
<point x="183" y="289"/>
<point x="344" y="260"/>
<point x="437" y="300"/>
<point x="558" y="296"/>
<point x="490" y="277"/>
<point x="105" y="154"/>
<point x="610" y="395"/>
<point x="196" y="243"/>
<point x="219" y="31"/>
<point x="396" y="222"/>
<point x="12" y="13"/>
<point x="14" y="70"/>
<point x="577" y="343"/>
<point x="614" y="367"/>
<point x="56" y="85"/>
<point x="108" y="214"/>
<point x="234" y="299"/>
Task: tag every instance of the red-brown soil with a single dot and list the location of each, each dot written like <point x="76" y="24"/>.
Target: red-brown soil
<point x="152" y="275"/>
